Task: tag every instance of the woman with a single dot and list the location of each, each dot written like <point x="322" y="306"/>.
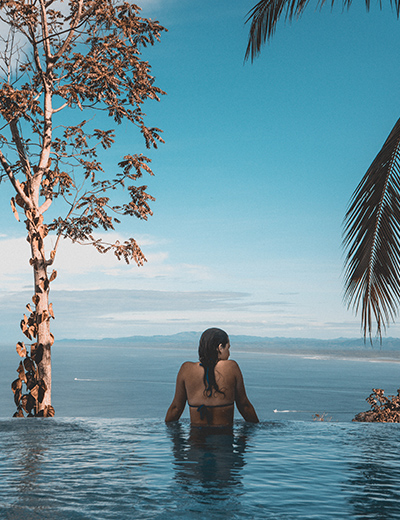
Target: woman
<point x="212" y="386"/>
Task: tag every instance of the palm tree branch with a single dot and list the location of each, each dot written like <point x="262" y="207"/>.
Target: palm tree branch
<point x="265" y="15"/>
<point x="372" y="239"/>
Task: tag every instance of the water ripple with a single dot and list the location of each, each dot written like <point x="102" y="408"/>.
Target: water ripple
<point x="141" y="469"/>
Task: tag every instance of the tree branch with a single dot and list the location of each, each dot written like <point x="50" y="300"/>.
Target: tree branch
<point x="74" y="25"/>
<point x="45" y="32"/>
<point x="55" y="110"/>
<point x="14" y="181"/>
<point x="20" y="148"/>
<point x="45" y="206"/>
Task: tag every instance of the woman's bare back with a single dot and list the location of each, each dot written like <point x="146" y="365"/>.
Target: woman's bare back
<point x="218" y="408"/>
<point x="215" y="409"/>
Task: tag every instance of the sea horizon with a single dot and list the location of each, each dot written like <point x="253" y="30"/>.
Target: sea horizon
<point x="121" y="378"/>
<point x="341" y="347"/>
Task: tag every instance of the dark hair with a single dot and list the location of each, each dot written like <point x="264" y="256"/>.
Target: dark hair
<point x="208" y="355"/>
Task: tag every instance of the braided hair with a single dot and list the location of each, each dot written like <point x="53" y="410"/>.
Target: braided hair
<point x="208" y="355"/>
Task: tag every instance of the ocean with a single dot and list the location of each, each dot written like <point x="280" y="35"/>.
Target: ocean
<point x="109" y="455"/>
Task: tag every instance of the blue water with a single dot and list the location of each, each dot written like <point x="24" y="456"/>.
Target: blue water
<point x="108" y="454"/>
<point x="142" y="469"/>
<point x="135" y="382"/>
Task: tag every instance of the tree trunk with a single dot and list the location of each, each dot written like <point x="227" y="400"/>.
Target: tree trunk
<point x="41" y="354"/>
<point x="43" y="338"/>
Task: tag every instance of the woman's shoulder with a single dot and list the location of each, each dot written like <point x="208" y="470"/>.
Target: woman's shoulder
<point x="189" y="365"/>
<point x="228" y="364"/>
<point x="187" y="370"/>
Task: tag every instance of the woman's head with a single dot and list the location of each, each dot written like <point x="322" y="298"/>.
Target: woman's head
<point x="211" y="342"/>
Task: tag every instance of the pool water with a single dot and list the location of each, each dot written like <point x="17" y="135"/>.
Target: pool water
<point x="143" y="469"/>
<point x="109" y="455"/>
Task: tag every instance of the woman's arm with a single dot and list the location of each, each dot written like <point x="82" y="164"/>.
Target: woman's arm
<point x="246" y="409"/>
<point x="178" y="403"/>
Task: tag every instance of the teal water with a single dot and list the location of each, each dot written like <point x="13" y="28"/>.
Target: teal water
<point x="108" y="454"/>
<point x="135" y="382"/>
<point x="142" y="469"/>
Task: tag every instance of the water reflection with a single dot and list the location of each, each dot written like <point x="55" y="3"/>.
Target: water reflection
<point x="24" y="451"/>
<point x="35" y="468"/>
<point x="375" y="472"/>
<point x="208" y="466"/>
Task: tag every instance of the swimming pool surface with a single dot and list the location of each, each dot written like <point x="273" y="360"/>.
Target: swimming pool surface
<point x="143" y="469"/>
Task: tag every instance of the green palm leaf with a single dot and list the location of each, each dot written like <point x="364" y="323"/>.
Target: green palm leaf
<point x="265" y="15"/>
<point x="372" y="239"/>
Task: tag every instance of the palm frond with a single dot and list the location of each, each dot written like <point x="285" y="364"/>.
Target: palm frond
<point x="372" y="240"/>
<point x="265" y="15"/>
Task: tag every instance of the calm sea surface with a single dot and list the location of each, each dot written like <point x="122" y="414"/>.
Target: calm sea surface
<point x="108" y="454"/>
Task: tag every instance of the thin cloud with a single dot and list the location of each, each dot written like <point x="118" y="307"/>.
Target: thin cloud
<point x="120" y="313"/>
<point x="82" y="266"/>
<point x="114" y="313"/>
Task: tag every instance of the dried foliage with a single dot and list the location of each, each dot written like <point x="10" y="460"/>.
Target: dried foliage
<point x="265" y="15"/>
<point x="28" y="373"/>
<point x="69" y="71"/>
<point x="372" y="239"/>
<point x="383" y="409"/>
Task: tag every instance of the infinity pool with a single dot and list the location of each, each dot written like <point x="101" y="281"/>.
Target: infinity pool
<point x="142" y="469"/>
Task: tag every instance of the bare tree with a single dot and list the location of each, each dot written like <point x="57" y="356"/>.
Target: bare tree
<point x="63" y="63"/>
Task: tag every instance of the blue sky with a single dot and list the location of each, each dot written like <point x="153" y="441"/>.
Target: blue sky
<point x="251" y="186"/>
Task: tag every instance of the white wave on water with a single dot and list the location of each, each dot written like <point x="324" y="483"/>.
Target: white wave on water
<point x="308" y="411"/>
<point x="78" y="379"/>
<point x="293" y="411"/>
<point x="148" y="381"/>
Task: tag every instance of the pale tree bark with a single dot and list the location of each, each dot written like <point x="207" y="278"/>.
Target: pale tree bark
<point x="37" y="362"/>
<point x="44" y="339"/>
<point x="86" y="60"/>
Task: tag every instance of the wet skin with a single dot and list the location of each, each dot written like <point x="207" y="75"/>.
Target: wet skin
<point x="190" y="387"/>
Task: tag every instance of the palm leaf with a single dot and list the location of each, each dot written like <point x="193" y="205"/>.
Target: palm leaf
<point x="372" y="239"/>
<point x="265" y="15"/>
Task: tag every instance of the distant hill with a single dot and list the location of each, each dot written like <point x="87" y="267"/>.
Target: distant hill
<point x="337" y="347"/>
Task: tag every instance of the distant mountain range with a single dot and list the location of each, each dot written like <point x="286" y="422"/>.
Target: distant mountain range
<point x="339" y="346"/>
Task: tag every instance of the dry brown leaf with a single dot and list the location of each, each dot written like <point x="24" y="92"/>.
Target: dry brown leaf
<point x="29" y="364"/>
<point x="22" y="376"/>
<point x="30" y="380"/>
<point x="21" y="349"/>
<point x="19" y="200"/>
<point x="42" y="384"/>
<point x="17" y="397"/>
<point x="24" y="401"/>
<point x="33" y="350"/>
<point x="49" y="411"/>
<point x="32" y="331"/>
<point x="35" y="392"/>
<point x="28" y="403"/>
<point x="14" y="209"/>
<point x="16" y="385"/>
